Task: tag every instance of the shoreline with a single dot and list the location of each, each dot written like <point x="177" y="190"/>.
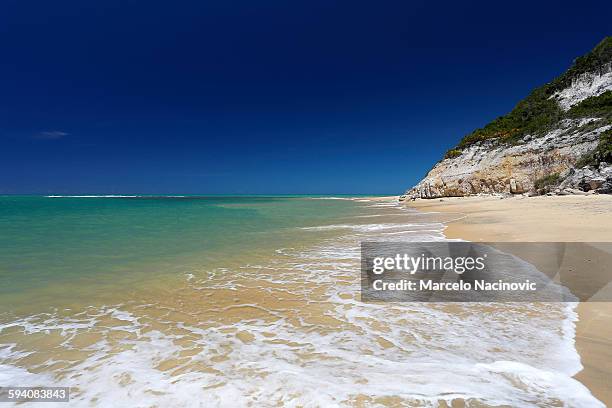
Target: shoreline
<point x="544" y="219"/>
<point x="295" y="304"/>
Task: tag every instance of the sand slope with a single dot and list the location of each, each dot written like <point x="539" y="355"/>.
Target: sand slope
<point x="542" y="219"/>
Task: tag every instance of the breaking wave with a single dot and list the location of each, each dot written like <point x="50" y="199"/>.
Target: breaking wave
<point x="291" y="331"/>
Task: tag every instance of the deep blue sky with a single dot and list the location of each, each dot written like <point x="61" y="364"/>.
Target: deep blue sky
<point x="264" y="96"/>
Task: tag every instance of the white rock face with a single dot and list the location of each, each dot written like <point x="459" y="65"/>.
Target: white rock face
<point x="490" y="167"/>
<point x="485" y="168"/>
<point x="585" y="86"/>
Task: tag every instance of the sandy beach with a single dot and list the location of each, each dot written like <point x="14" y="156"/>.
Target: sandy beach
<point x="546" y="219"/>
<point x="272" y="315"/>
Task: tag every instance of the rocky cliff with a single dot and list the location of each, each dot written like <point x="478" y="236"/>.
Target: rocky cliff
<point x="556" y="140"/>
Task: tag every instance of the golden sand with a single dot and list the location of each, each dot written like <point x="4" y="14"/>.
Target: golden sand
<point x="546" y="219"/>
<point x="206" y="321"/>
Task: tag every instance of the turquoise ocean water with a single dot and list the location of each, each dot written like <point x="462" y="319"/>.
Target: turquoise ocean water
<point x="253" y="301"/>
<point x="99" y="242"/>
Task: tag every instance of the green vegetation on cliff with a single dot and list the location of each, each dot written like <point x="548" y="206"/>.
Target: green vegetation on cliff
<point x="533" y="115"/>
<point x="595" y="106"/>
<point x="591" y="62"/>
<point x="451" y="154"/>
<point x="602" y="153"/>
<point x="537" y="113"/>
<point x="546" y="181"/>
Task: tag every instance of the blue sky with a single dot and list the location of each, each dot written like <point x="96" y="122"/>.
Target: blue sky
<point x="264" y="97"/>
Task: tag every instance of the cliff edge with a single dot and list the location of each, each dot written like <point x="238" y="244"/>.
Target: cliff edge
<point x="558" y="140"/>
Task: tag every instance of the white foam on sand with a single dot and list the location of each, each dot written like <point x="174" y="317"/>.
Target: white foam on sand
<point x="371" y="227"/>
<point x="515" y="354"/>
<point x="429" y="355"/>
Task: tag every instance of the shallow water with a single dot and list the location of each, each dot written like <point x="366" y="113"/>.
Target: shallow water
<point x="253" y="301"/>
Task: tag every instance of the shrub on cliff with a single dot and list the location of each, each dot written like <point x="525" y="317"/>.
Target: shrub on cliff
<point x="590" y="62"/>
<point x="537" y="113"/>
<point x="451" y="154"/>
<point x="533" y="115"/>
<point x="543" y="182"/>
<point x="595" y="106"/>
<point x="604" y="148"/>
<point x="602" y="153"/>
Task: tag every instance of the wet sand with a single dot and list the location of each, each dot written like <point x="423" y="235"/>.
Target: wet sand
<point x="287" y="327"/>
<point x="546" y="219"/>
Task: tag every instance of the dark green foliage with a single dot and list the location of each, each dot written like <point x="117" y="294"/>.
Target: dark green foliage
<point x="586" y="160"/>
<point x="533" y="115"/>
<point x="537" y="114"/>
<point x="602" y="153"/>
<point x="595" y="106"/>
<point x="546" y="181"/>
<point x="451" y="154"/>
<point x="604" y="149"/>
<point x="591" y="62"/>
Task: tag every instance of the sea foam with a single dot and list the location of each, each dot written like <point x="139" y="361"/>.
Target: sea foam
<point x="333" y="351"/>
